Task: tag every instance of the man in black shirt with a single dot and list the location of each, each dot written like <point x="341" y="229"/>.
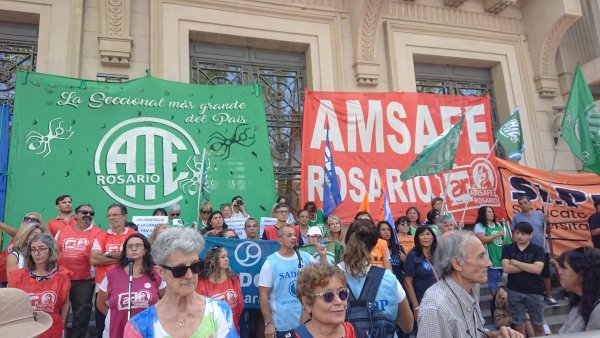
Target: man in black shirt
<point x="523" y="261"/>
<point x="594" y="223"/>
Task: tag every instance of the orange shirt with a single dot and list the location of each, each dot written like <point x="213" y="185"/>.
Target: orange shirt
<point x="379" y="252"/>
<point x="74" y="247"/>
<point x="408" y="243"/>
<point x="55" y="225"/>
<point x="229" y="291"/>
<point x="108" y="241"/>
<point x="47" y="295"/>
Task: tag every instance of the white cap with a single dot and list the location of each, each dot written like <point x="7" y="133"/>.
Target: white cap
<point x="314" y="231"/>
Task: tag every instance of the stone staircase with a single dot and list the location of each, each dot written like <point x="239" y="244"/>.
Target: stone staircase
<point x="553" y="316"/>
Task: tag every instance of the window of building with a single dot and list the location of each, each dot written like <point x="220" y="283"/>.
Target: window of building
<point x="18" y="50"/>
<point x="282" y="76"/>
<point x="456" y="80"/>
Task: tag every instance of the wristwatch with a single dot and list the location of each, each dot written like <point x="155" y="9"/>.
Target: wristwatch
<point x="268" y="323"/>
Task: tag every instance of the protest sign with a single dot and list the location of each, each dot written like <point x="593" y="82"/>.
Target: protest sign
<point x="146" y="224"/>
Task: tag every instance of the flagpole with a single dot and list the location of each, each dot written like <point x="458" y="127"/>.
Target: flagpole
<point x="550" y="246"/>
<point x="462" y="219"/>
<point x="446" y="191"/>
<point x="200" y="188"/>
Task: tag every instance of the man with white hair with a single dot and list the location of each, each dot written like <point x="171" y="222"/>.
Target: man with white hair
<point x="449" y="307"/>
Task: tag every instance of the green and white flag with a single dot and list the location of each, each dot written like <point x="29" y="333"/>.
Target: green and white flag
<point x="438" y="156"/>
<point x="510" y="136"/>
<point x="581" y="124"/>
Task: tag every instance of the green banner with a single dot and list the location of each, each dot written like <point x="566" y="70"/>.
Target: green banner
<point x="139" y="143"/>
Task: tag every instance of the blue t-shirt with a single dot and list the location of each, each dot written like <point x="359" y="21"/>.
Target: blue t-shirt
<point x="422" y="272"/>
<point x="536" y="219"/>
<point x="280" y="273"/>
<point x="389" y="294"/>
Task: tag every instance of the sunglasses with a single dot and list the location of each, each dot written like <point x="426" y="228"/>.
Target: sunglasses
<point x="329" y="295"/>
<point x="85" y="212"/>
<point x="31" y="219"/>
<point x="175" y="214"/>
<point x="205" y="212"/>
<point x="180" y="270"/>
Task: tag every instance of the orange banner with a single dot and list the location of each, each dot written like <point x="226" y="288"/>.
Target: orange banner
<point x="569" y="202"/>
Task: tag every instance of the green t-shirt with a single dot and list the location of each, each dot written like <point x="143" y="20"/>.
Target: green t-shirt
<point x="320" y="222"/>
<point x="334" y="251"/>
<point x="494" y="248"/>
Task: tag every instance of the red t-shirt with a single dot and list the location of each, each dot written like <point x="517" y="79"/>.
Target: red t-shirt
<point x="3" y="256"/>
<point x="47" y="295"/>
<point x="271" y="232"/>
<point x="55" y="225"/>
<point x="108" y="241"/>
<point x="75" y="247"/>
<point x="229" y="291"/>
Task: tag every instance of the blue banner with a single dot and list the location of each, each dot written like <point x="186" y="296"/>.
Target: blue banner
<point x="246" y="257"/>
<point x="4" y="120"/>
<point x="331" y="189"/>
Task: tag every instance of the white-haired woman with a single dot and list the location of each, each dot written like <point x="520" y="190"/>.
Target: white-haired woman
<point x="46" y="283"/>
<point x="181" y="312"/>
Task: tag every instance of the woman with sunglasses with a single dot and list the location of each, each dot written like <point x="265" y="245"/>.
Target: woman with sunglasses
<point x="45" y="281"/>
<point x="146" y="285"/>
<point x="218" y="280"/>
<point x="181" y="312"/>
<point x="32" y="217"/>
<point x="579" y="272"/>
<point x="15" y="259"/>
<point x="405" y="239"/>
<point x="322" y="291"/>
<point x="361" y="238"/>
<point x="205" y="210"/>
<point x="216" y="223"/>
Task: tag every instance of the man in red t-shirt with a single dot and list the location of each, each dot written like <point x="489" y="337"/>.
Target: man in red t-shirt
<point x="75" y="245"/>
<point x="64" y="205"/>
<point x="107" y="248"/>
<point x="282" y="211"/>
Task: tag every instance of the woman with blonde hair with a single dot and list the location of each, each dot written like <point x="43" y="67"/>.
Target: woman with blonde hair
<point x="16" y="258"/>
<point x="156" y="231"/>
<point x="336" y="231"/>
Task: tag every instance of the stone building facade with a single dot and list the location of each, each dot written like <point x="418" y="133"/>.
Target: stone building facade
<point x="521" y="52"/>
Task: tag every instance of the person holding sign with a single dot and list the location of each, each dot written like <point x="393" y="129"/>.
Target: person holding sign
<point x="494" y="237"/>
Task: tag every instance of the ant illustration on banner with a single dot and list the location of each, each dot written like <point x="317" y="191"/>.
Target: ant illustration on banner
<point x="221" y="145"/>
<point x="41" y="143"/>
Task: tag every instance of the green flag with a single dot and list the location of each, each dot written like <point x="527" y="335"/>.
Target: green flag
<point x="510" y="136"/>
<point x="581" y="124"/>
<point x="438" y="156"/>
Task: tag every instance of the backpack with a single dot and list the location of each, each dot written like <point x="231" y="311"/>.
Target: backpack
<point x="368" y="321"/>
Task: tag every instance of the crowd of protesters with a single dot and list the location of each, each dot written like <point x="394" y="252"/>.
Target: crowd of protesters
<point x="422" y="275"/>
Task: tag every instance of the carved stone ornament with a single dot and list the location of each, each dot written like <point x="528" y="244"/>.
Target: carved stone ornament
<point x="366" y="69"/>
<point x="115" y="41"/>
<point x="497" y="6"/>
<point x="453" y="3"/>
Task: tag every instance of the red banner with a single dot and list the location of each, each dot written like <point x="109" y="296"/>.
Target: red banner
<point x="569" y="204"/>
<point x="375" y="136"/>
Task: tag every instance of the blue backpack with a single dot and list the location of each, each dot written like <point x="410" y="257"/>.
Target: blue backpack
<point x="369" y="321"/>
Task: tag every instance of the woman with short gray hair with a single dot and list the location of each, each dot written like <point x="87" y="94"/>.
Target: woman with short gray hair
<point x="46" y="283"/>
<point x="181" y="312"/>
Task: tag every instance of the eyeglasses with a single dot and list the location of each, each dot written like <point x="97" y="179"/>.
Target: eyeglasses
<point x="329" y="295"/>
<point x="38" y="251"/>
<point x="180" y="270"/>
<point x="135" y="246"/>
<point x="205" y="211"/>
<point x="113" y="215"/>
<point x="86" y="212"/>
<point x="31" y="219"/>
<point x="174" y="214"/>
<point x="282" y="212"/>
